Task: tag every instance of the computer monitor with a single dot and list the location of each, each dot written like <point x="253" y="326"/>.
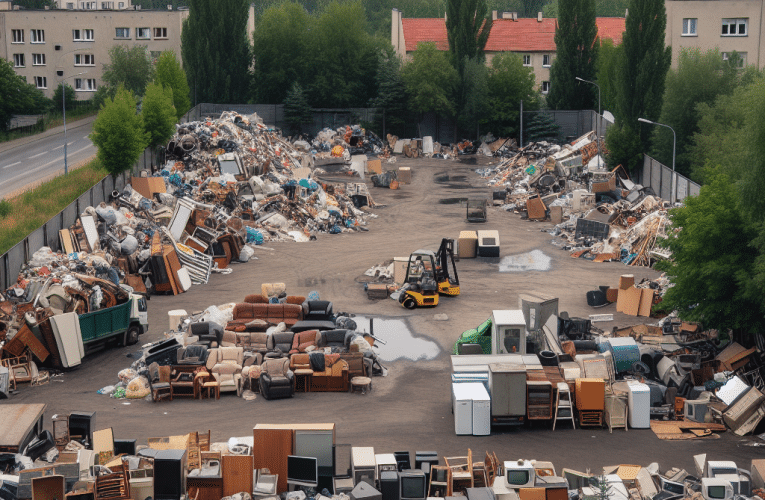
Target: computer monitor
<point x="413" y="485"/>
<point x="302" y="471"/>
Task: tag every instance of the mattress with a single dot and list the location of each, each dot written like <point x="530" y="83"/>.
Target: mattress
<point x="66" y="329"/>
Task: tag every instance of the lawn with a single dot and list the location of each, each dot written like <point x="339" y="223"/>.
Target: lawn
<point x="22" y="214"/>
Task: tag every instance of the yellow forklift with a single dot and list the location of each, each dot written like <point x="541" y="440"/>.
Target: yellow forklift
<point x="420" y="288"/>
<point x="447" y="284"/>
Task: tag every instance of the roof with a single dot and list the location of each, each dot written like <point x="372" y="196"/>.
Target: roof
<point x="523" y="35"/>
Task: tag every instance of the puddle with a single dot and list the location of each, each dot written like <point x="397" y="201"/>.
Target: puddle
<point x="400" y="341"/>
<point x="441" y="178"/>
<point x="469" y="161"/>
<point x="535" y="260"/>
<point x="452" y="201"/>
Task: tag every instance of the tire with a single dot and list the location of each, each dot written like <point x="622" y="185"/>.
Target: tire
<point x="131" y="335"/>
<point x="410" y="303"/>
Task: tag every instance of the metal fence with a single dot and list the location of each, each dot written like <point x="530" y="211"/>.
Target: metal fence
<point x="572" y="124"/>
<point x="659" y="178"/>
<point x="47" y="235"/>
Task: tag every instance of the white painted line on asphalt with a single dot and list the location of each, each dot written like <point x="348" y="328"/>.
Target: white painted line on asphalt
<point x="82" y="149"/>
<point x="12" y="164"/>
<point x="59" y="147"/>
<point x="38" y="154"/>
<point x="23" y="174"/>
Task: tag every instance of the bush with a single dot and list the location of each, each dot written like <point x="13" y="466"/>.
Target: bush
<point x="5" y="208"/>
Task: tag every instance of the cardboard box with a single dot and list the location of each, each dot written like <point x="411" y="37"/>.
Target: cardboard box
<point x="404" y="175"/>
<point x="147" y="186"/>
<point x="467" y="244"/>
<point x="374" y="166"/>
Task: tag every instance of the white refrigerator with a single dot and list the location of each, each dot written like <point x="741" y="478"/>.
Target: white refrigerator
<point x="481" y="411"/>
<point x="463" y="407"/>
<point x="639" y="402"/>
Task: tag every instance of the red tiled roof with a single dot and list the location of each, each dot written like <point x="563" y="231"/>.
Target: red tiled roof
<point x="523" y="35"/>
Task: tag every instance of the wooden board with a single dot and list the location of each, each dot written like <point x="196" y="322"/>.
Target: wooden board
<point x="646" y="301"/>
<point x="237" y="474"/>
<point x="66" y="241"/>
<point x="270" y="451"/>
<point x="16" y="420"/>
<point x="683" y="430"/>
<point x="103" y="445"/>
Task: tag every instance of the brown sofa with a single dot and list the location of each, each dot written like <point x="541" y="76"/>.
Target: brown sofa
<point x="257" y="298"/>
<point x="334" y="378"/>
<point x="273" y="313"/>
<point x="303" y="340"/>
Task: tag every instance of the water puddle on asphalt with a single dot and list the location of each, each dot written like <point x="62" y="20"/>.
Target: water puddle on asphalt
<point x="536" y="260"/>
<point x="452" y="201"/>
<point x="400" y="342"/>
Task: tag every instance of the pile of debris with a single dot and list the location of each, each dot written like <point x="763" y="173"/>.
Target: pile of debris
<point x="600" y="215"/>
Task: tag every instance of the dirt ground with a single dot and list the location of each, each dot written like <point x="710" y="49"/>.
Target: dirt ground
<point x="410" y="408"/>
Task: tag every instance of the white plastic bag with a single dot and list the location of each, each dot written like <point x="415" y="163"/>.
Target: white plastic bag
<point x="246" y="253"/>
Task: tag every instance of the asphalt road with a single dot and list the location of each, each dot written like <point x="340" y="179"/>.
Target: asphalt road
<point x="32" y="161"/>
<point x="410" y="408"/>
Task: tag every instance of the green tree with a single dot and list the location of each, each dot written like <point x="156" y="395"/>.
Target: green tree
<point x="475" y="96"/>
<point x="103" y="93"/>
<point x="282" y="48"/>
<point x="603" y="8"/>
<point x="541" y="127"/>
<point x="430" y="80"/>
<point x="712" y="261"/>
<point x="610" y="60"/>
<point x="297" y="110"/>
<point x="379" y="12"/>
<point x="509" y="82"/>
<point x="170" y="74"/>
<point x="391" y="96"/>
<point x="699" y="78"/>
<point x="343" y="57"/>
<point x="35" y="4"/>
<point x="641" y="78"/>
<point x="58" y="97"/>
<point x="576" y="56"/>
<point x="130" y="67"/>
<point x="158" y="113"/>
<point x="17" y="96"/>
<point x="216" y="51"/>
<point x="118" y="133"/>
<point x="468" y="25"/>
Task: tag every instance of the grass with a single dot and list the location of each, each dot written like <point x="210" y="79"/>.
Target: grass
<point x="32" y="209"/>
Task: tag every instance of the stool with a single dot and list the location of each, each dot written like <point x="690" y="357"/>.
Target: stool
<point x="303" y="375"/>
<point x="362" y="384"/>
<point x="563" y="402"/>
<point x="212" y="386"/>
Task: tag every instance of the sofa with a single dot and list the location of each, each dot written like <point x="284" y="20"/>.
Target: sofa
<point x="334" y="378"/>
<point x="303" y="340"/>
<point x="334" y="338"/>
<point x="257" y="298"/>
<point x="276" y="379"/>
<point x="253" y="341"/>
<point x="273" y="313"/>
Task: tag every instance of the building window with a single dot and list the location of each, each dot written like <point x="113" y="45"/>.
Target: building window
<point x="160" y="32"/>
<point x="70" y="5"/>
<point x="83" y="35"/>
<point x="142" y="33"/>
<point x="545" y="87"/>
<point x="38" y="59"/>
<point x="85" y="85"/>
<point x="121" y="5"/>
<point x="737" y="59"/>
<point x="122" y="33"/>
<point x="107" y="5"/>
<point x="41" y="82"/>
<point x="18" y="60"/>
<point x="546" y="60"/>
<point x="527" y="59"/>
<point x="18" y="36"/>
<point x="37" y="36"/>
<point x="734" y="27"/>
<point x="689" y="26"/>
<point x="88" y="5"/>
<point x="84" y="60"/>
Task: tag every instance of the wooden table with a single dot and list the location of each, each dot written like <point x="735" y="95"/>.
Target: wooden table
<point x="362" y="384"/>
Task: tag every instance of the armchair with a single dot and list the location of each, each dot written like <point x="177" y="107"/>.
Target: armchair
<point x="300" y="364"/>
<point x="159" y="382"/>
<point x="276" y="379"/>
<point x="227" y="368"/>
<point x="208" y="332"/>
<point x="317" y="310"/>
<point x="281" y="341"/>
<point x="301" y="341"/>
<point x="333" y="338"/>
<point x="192" y="355"/>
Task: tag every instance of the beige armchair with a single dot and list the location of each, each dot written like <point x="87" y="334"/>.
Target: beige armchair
<point x="226" y="367"/>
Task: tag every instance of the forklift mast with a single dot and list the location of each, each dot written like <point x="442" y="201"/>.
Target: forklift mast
<point x="444" y="255"/>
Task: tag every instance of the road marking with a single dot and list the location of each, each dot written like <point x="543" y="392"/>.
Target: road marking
<point x="12" y="164"/>
<point x="23" y="174"/>
<point x="59" y="147"/>
<point x="82" y="149"/>
<point x="38" y="154"/>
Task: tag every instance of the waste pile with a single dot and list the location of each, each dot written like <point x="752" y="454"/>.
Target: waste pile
<point x="599" y="214"/>
<point x="272" y="344"/>
<point x="225" y="186"/>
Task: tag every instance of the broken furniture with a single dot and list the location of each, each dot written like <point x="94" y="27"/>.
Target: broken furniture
<point x="334" y="378"/>
<point x="183" y="381"/>
<point x="276" y="379"/>
<point x="615" y="411"/>
<point x="280" y="343"/>
<point x="304" y="340"/>
<point x="333" y="338"/>
<point x="48" y="487"/>
<point x="159" y="382"/>
<point x="461" y="472"/>
<point x="590" y="401"/>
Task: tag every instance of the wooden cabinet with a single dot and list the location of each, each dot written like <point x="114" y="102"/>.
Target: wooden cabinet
<point x="237" y="474"/>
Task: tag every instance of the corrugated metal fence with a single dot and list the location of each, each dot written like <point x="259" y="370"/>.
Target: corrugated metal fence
<point x="47" y="235"/>
<point x="659" y="178"/>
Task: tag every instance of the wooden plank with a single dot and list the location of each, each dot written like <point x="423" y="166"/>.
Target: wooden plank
<point x="237" y="474"/>
<point x="66" y="241"/>
<point x="646" y="301"/>
<point x="16" y="420"/>
<point x="270" y="451"/>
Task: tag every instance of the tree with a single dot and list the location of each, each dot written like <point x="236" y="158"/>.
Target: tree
<point x="170" y="74"/>
<point x="343" y="57"/>
<point x="297" y="111"/>
<point x="35" y="4"/>
<point x="641" y="76"/>
<point x="468" y="24"/>
<point x="158" y="113"/>
<point x="474" y="99"/>
<point x="130" y="67"/>
<point x="509" y="82"/>
<point x="17" y="96"/>
<point x="699" y="78"/>
<point x="391" y="92"/>
<point x="430" y="80"/>
<point x="281" y="51"/>
<point x="610" y="60"/>
<point x="216" y="51"/>
<point x="712" y="260"/>
<point x="542" y="127"/>
<point x="118" y="133"/>
<point x="58" y="97"/>
<point x="576" y="56"/>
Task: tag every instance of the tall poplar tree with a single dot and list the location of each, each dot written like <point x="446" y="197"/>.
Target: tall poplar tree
<point x="216" y="50"/>
<point x="577" y="44"/>
<point x="468" y="24"/>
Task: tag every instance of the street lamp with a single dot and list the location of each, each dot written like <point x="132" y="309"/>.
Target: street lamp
<point x="63" y="109"/>
<point x="597" y="124"/>
<point x="674" y="145"/>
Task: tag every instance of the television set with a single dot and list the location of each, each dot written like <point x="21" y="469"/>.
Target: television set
<point x="519" y="474"/>
<point x="413" y="485"/>
<point x="302" y="471"/>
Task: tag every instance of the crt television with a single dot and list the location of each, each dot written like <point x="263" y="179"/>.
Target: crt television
<point x="519" y="474"/>
<point x="413" y="485"/>
<point x="302" y="471"/>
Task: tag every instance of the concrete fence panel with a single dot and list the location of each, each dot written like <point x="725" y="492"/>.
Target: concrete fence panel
<point x="84" y="202"/>
<point x="52" y="227"/>
<point x="16" y="258"/>
<point x="36" y="240"/>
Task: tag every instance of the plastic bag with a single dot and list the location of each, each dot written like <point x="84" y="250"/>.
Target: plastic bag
<point x="254" y="236"/>
<point x="127" y="375"/>
<point x="106" y="390"/>
<point x="137" y="388"/>
<point x="108" y="214"/>
<point x="129" y="245"/>
<point x="219" y="314"/>
<point x="246" y="253"/>
<point x="42" y="257"/>
<point x="119" y="393"/>
<point x="95" y="298"/>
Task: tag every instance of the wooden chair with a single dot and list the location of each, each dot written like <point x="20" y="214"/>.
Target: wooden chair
<point x="480" y="478"/>
<point x="440" y="481"/>
<point x="159" y="382"/>
<point x="461" y="472"/>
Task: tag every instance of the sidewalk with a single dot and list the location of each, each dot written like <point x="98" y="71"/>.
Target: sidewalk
<point x="6" y="146"/>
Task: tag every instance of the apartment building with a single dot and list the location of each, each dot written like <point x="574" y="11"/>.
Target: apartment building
<point x="532" y="38"/>
<point x="728" y="25"/>
<point x="71" y="43"/>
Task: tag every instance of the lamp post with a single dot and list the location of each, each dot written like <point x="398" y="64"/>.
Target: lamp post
<point x="597" y="124"/>
<point x="674" y="145"/>
<point x="63" y="109"/>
